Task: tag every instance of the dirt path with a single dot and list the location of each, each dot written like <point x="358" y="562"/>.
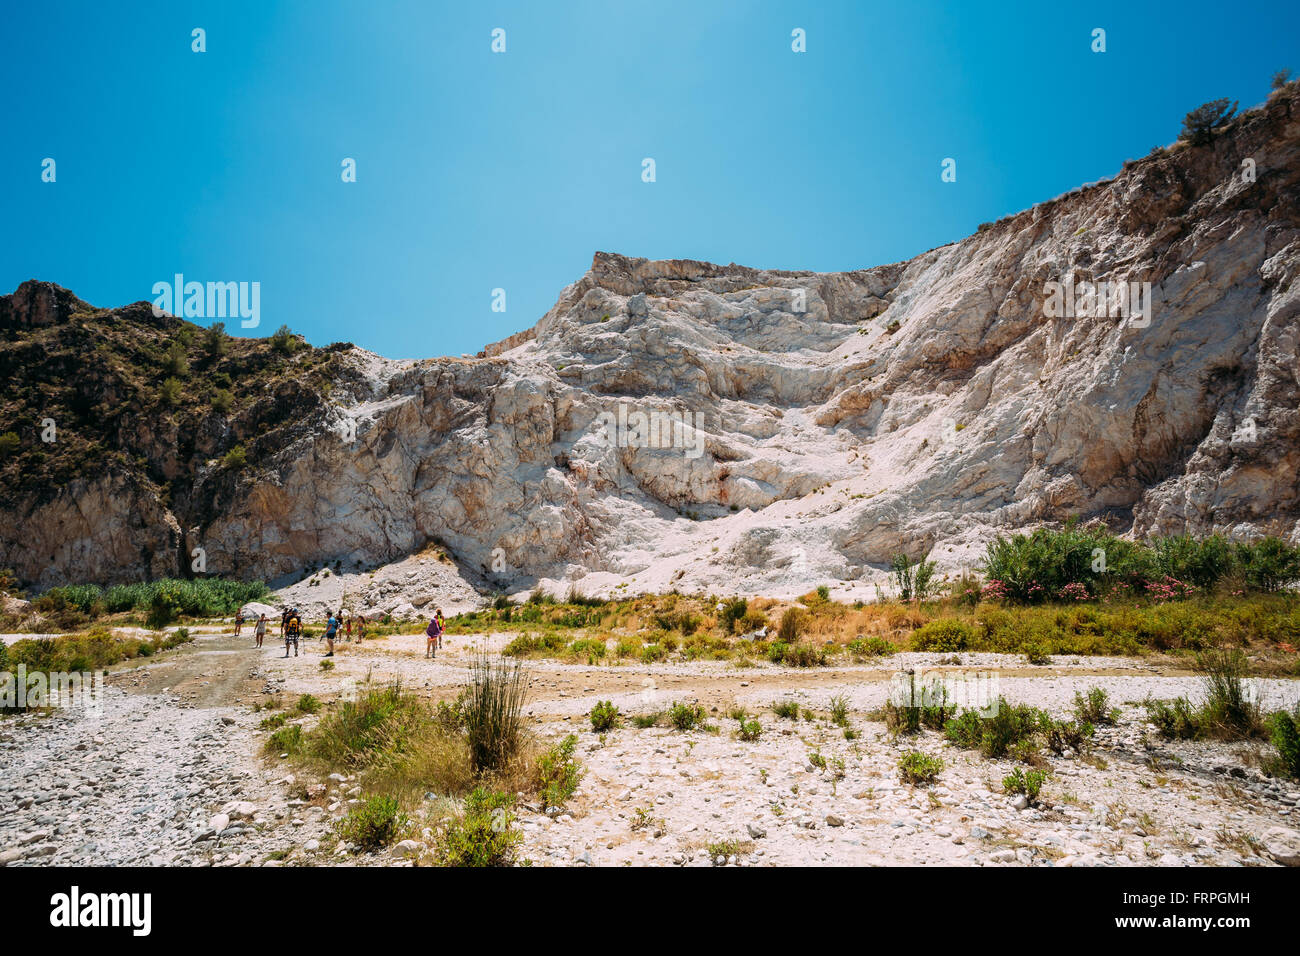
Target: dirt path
<point x="141" y="778"/>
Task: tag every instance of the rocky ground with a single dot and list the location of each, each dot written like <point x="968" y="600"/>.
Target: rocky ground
<point x="172" y="771"/>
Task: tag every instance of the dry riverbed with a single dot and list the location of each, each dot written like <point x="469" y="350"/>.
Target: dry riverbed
<point x="173" y="772"/>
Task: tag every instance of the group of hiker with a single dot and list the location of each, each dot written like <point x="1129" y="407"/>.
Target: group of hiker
<point x="291" y="630"/>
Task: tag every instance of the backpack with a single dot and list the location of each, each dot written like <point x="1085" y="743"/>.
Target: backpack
<point x="433" y="630"/>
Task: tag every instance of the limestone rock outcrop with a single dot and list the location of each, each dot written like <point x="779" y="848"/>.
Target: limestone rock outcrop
<point x="688" y="425"/>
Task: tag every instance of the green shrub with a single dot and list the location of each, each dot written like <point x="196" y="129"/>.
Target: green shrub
<point x="750" y="730"/>
<point x="604" y="716"/>
<point x="1038" y="655"/>
<point x="163" y="609"/>
<point x="1199" y="125"/>
<point x="945" y="634"/>
<point x="788" y="709"/>
<point x="283" y="341"/>
<point x="1268" y="565"/>
<point x="353" y="734"/>
<point x="307" y="704"/>
<point x="913" y="581"/>
<point x="374" y="824"/>
<point x="918" y="769"/>
<point x="646" y="721"/>
<point x="793" y="622"/>
<point x="235" y="458"/>
<point x="1174" y="720"/>
<point x="994" y="735"/>
<point x="1062" y="735"/>
<point x="1008" y="725"/>
<point x="797" y="655"/>
<point x="1286" y="738"/>
<point x="1030" y="784"/>
<point x="169" y="393"/>
<point x="873" y="646"/>
<point x="686" y="716"/>
<point x="733" y="611"/>
<point x="1229" y="710"/>
<point x="559" y="772"/>
<point x="286" y="740"/>
<point x="1095" y="708"/>
<point x="965" y="730"/>
<point x="483" y="835"/>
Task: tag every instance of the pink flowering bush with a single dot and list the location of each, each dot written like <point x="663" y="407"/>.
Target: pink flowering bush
<point x="1074" y="591"/>
<point x="1168" y="589"/>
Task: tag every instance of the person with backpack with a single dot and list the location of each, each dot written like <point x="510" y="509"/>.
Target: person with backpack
<point x="260" y="631"/>
<point x="293" y="629"/>
<point x="239" y="621"/>
<point x="331" y="628"/>
<point x="442" y="626"/>
<point x="433" y="633"/>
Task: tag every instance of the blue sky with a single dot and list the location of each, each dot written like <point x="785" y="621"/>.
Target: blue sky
<point x="478" y="171"/>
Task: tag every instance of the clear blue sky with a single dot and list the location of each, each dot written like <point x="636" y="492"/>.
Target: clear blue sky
<point x="478" y="170"/>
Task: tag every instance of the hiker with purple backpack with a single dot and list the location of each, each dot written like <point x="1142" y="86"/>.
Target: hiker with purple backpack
<point x="433" y="633"/>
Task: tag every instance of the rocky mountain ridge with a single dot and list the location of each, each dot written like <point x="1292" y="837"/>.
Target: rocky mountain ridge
<point x="799" y="428"/>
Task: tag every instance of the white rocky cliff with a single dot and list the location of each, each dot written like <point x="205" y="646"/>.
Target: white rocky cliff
<point x="810" y="426"/>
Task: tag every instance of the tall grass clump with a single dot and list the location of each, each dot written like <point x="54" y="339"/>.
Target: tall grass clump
<point x="492" y="712"/>
<point x="1228" y="712"/>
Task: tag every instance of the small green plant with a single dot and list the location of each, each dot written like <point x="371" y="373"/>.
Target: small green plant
<point x="918" y="769"/>
<point x="750" y="730"/>
<point x="1030" y="783"/>
<point x="286" y="740"/>
<point x="787" y="709"/>
<point x="1063" y="735"/>
<point x="1037" y="655"/>
<point x="1286" y="738"/>
<point x="1095" y="708"/>
<point x="643" y="819"/>
<point x="604" y="716"/>
<point x="686" y="716"/>
<point x="646" y="721"/>
<point x="559" y="772"/>
<point x="840" y="710"/>
<point x="372" y="825"/>
<point x="732" y="613"/>
<point x="1173" y="720"/>
<point x="723" y="850"/>
<point x="235" y="458"/>
<point x="913" y="581"/>
<point x="327" y="665"/>
<point x="817" y="760"/>
<point x="307" y="704"/>
<point x="483" y="835"/>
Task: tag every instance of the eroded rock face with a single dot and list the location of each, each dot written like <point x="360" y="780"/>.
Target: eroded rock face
<point x="806" y="427"/>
